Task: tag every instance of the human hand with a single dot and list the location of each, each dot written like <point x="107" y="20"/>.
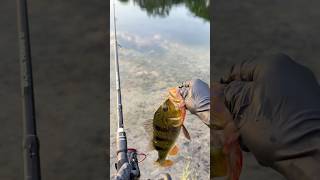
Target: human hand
<point x="267" y="97"/>
<point x="196" y="96"/>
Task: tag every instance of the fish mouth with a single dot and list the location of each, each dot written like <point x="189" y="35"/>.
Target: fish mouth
<point x="174" y="96"/>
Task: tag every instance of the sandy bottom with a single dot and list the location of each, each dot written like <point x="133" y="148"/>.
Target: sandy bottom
<point x="145" y="79"/>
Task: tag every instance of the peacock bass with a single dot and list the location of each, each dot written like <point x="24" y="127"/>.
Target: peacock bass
<point x="165" y="127"/>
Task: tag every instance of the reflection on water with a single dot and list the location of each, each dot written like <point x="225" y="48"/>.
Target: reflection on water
<point x="163" y="43"/>
<point x="162" y="8"/>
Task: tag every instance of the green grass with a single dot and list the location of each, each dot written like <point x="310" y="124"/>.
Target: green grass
<point x="188" y="172"/>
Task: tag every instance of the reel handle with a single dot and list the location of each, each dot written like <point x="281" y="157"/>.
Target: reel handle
<point x="134" y="163"/>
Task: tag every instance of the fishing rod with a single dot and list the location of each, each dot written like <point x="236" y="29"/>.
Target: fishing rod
<point x="124" y="155"/>
<point x="30" y="139"/>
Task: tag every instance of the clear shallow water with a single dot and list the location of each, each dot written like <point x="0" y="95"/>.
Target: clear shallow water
<point x="159" y="49"/>
<point x="180" y="25"/>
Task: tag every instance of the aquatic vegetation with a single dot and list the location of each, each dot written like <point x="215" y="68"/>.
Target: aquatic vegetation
<point x="188" y="172"/>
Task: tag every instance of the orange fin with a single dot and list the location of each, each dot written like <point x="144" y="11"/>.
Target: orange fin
<point x="174" y="151"/>
<point x="185" y="132"/>
<point x="235" y="160"/>
<point x="165" y="163"/>
<point x="233" y="151"/>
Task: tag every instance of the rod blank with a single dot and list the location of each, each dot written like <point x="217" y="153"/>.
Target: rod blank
<point x="30" y="139"/>
<point x="121" y="135"/>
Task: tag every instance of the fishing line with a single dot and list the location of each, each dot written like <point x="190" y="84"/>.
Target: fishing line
<point x="138" y="154"/>
<point x="142" y="154"/>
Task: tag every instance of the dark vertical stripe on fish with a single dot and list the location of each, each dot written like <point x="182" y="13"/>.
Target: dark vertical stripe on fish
<point x="165" y="129"/>
<point x="158" y="138"/>
<point x="160" y="148"/>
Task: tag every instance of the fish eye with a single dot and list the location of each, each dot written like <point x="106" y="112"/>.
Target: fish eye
<point x="165" y="108"/>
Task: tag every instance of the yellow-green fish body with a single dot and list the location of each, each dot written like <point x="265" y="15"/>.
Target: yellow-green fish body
<point x="165" y="128"/>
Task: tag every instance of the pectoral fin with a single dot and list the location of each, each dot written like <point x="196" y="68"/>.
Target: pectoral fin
<point x="185" y="132"/>
<point x="174" y="151"/>
<point x="150" y="146"/>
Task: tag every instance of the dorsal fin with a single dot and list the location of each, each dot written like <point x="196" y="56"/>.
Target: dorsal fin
<point x="148" y="127"/>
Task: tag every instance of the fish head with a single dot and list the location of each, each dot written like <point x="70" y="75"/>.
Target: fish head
<point x="172" y="113"/>
<point x="169" y="108"/>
